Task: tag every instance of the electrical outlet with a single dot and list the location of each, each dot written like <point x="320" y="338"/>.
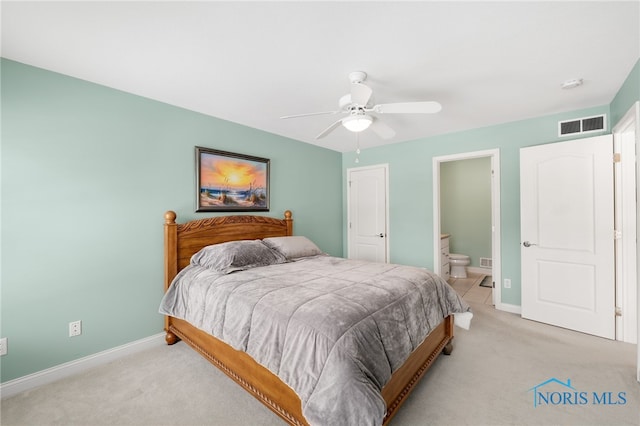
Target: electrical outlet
<point x="507" y="283"/>
<point x="3" y="346"/>
<point x="75" y="328"/>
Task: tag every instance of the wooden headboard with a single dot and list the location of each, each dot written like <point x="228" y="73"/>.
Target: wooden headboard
<point x="181" y="241"/>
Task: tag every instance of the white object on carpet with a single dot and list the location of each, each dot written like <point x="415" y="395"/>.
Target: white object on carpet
<point x="463" y="319"/>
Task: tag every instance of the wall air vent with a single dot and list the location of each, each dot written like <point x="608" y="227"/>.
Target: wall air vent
<point x="486" y="262"/>
<point x="582" y="125"/>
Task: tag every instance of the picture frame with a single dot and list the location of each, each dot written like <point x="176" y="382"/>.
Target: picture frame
<point x="231" y="182"/>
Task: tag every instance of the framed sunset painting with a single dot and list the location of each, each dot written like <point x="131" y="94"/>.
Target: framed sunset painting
<point x="231" y="182"/>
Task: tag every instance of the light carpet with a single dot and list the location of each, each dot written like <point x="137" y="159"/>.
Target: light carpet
<point x="487" y="380"/>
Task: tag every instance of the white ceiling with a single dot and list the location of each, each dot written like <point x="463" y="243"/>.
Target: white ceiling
<point x="252" y="62"/>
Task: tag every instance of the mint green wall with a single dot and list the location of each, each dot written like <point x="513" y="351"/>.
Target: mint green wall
<point x="465" y="206"/>
<point x="628" y="94"/>
<point x="410" y="167"/>
<point x="87" y="174"/>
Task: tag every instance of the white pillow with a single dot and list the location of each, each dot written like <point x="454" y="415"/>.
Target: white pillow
<point x="293" y="247"/>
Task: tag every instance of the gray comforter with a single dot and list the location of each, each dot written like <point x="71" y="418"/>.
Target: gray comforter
<point x="333" y="329"/>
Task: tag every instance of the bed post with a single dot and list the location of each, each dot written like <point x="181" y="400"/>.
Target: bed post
<point x="448" y="348"/>
<point x="170" y="263"/>
<point x="289" y="220"/>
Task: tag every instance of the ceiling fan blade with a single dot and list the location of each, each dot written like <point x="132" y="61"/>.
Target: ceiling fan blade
<point x="427" y="107"/>
<point x="329" y="129"/>
<point x="309" y="114"/>
<point x="360" y="94"/>
<point x="382" y="129"/>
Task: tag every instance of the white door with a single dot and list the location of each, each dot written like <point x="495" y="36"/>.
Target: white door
<point x="567" y="252"/>
<point x="367" y="213"/>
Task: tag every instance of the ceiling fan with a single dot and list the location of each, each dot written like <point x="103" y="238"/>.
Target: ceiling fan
<point x="358" y="109"/>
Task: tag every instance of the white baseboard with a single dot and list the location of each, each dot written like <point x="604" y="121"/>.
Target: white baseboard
<point x="31" y="381"/>
<point x="479" y="270"/>
<point x="514" y="309"/>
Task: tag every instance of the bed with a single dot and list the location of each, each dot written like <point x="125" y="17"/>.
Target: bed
<point x="183" y="241"/>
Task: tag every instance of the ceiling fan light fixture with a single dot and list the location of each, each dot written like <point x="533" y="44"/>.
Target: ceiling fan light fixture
<point x="357" y="123"/>
<point x="359" y="102"/>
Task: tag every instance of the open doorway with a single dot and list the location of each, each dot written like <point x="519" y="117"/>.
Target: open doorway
<point x="493" y="157"/>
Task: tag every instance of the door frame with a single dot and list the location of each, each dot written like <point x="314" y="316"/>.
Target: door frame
<point x="385" y="167"/>
<point x="496" y="269"/>
<point x="636" y="107"/>
<point x="627" y="262"/>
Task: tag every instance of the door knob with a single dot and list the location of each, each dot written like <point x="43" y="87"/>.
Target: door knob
<point x="528" y="244"/>
<point x="381" y="235"/>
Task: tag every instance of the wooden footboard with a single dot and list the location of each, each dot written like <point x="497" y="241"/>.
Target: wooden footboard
<point x="415" y="367"/>
<point x="183" y="240"/>
<point x="241" y="368"/>
<point x="278" y="396"/>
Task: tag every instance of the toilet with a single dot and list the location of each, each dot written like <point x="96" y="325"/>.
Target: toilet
<point x="458" y="264"/>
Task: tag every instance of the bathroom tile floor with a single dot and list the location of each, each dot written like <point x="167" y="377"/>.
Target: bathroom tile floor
<point x="470" y="290"/>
